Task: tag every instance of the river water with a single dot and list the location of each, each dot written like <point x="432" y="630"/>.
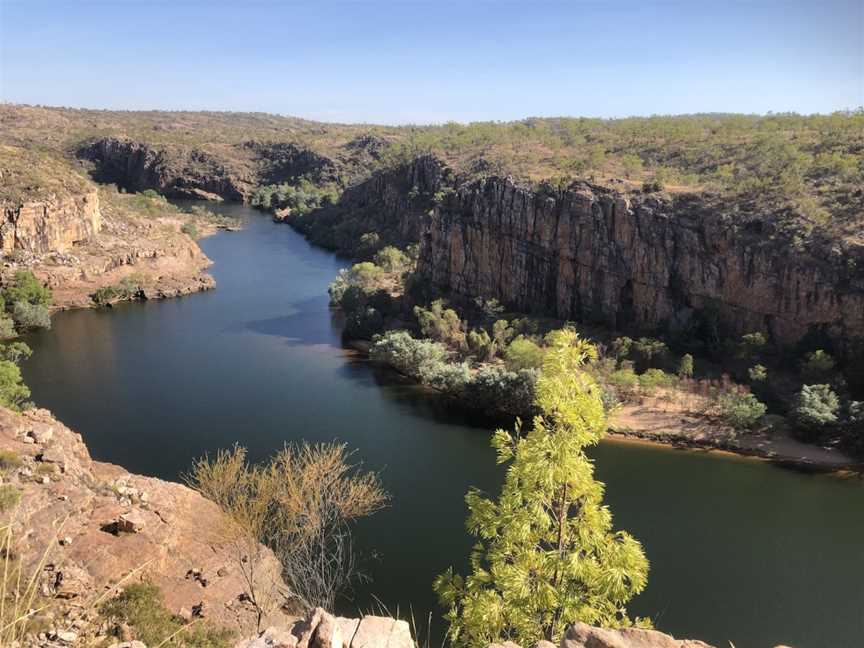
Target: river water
<point x="739" y="550"/>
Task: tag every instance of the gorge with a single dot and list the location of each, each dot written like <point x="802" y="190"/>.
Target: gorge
<point x="151" y="385"/>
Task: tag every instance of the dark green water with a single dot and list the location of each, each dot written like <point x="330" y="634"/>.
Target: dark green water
<point x="740" y="550"/>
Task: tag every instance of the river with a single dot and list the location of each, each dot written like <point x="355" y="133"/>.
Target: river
<point x="739" y="550"/>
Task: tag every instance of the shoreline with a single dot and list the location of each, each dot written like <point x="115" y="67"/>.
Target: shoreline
<point x="811" y="458"/>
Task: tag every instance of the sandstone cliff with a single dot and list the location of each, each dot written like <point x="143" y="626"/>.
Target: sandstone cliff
<point x="100" y="527"/>
<point x="55" y="224"/>
<point x="638" y="262"/>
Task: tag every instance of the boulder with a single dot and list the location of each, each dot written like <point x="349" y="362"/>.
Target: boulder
<point x="131" y="522"/>
<point x="376" y="632"/>
<point x="582" y="635"/>
<point x="270" y="638"/>
<point x="328" y="634"/>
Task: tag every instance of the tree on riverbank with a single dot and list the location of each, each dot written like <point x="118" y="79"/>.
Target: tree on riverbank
<point x="546" y="555"/>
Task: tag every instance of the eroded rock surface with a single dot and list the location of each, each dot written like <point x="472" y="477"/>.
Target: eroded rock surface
<point x="55" y="224"/>
<point x="649" y="262"/>
<point x="101" y="528"/>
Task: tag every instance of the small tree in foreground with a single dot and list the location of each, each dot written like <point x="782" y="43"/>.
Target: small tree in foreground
<point x="546" y="555"/>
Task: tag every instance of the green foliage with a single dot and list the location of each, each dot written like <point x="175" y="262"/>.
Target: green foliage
<point x="189" y="229"/>
<point x="28" y="289"/>
<point x="621" y="347"/>
<point x="685" y="367"/>
<point x="751" y="344"/>
<point x="31" y="316"/>
<point x="648" y="350"/>
<point x="13" y="392"/>
<point x="546" y="555"/>
<point x="758" y="373"/>
<point x="301" y="197"/>
<point x="817" y="365"/>
<point x="480" y="344"/>
<point x="441" y="324"/>
<point x="406" y="354"/>
<point x="129" y="287"/>
<point x="392" y="259"/>
<point x="9" y="497"/>
<point x="522" y="353"/>
<point x="142" y="607"/>
<point x="652" y="379"/>
<point x="740" y="410"/>
<point x="366" y="276"/>
<point x="816" y="406"/>
<point x="493" y="389"/>
<point x="7" y="327"/>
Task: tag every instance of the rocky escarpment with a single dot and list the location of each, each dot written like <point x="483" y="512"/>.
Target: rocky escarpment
<point x="638" y="262"/>
<point x="177" y="172"/>
<point x="54" y="224"/>
<point x="394" y="203"/>
<point x="223" y="172"/>
<point x="100" y="528"/>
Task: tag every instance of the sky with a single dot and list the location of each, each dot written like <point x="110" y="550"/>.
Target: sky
<point x="429" y="62"/>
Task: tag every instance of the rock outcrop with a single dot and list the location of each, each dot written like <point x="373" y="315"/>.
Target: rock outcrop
<point x="56" y="224"/>
<point x="638" y="262"/>
<point x="175" y="171"/>
<point x="322" y="630"/>
<point x="101" y="528"/>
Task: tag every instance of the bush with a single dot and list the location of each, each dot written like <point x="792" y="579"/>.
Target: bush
<point x="739" y="410"/>
<point x="493" y="389"/>
<point x="391" y="259"/>
<point x="654" y="378"/>
<point x="31" y="316"/>
<point x="142" y="607"/>
<point x="13" y="392"/>
<point x="817" y="365"/>
<point x="28" y="289"/>
<point x="9" y="497"/>
<point x="445" y="376"/>
<point x="522" y="353"/>
<point x="363" y="323"/>
<point x="816" y="406"/>
<point x="441" y="324"/>
<point x="758" y="373"/>
<point x="9" y="460"/>
<point x="190" y="230"/>
<point x="405" y="354"/>
<point x="685" y="367"/>
<point x="7" y="327"/>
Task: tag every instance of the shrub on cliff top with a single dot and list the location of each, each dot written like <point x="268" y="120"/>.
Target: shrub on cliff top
<point x="546" y="555"/>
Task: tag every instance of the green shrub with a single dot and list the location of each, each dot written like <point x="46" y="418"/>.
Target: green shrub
<point x="817" y="365"/>
<point x="406" y="354"/>
<point x="190" y="230"/>
<point x="9" y="497"/>
<point x="441" y="324"/>
<point x="7" y="327"/>
<point x="739" y="410"/>
<point x="445" y="376"/>
<point x="13" y="392"/>
<point x="654" y="378"/>
<point x="522" y="353"/>
<point x="758" y="373"/>
<point x="105" y="295"/>
<point x="363" y="323"/>
<point x="494" y="389"/>
<point x="31" y="316"/>
<point x="816" y="406"/>
<point x="391" y="259"/>
<point x="28" y="289"/>
<point x="685" y="367"/>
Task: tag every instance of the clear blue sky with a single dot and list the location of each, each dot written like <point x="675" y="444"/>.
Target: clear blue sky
<point x="397" y="62"/>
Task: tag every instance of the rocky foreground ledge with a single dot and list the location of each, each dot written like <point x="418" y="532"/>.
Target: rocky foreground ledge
<point x="323" y="630"/>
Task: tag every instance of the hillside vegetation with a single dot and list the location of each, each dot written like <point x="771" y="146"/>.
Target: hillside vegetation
<point x="809" y="166"/>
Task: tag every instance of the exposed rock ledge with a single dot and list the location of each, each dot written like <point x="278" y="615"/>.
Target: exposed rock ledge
<point x="77" y="508"/>
<point x="52" y="225"/>
<point x="166" y="262"/>
<point x="322" y="630"/>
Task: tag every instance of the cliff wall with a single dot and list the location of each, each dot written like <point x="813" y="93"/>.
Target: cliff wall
<point x="645" y="262"/>
<point x="55" y="224"/>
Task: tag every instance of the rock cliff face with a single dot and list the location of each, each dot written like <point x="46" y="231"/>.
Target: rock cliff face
<point x="592" y="254"/>
<point x="52" y="225"/>
<point x="175" y="172"/>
